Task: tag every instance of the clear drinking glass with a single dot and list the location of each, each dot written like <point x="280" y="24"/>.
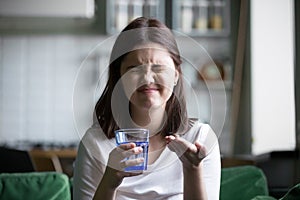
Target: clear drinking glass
<point x="141" y="138"/>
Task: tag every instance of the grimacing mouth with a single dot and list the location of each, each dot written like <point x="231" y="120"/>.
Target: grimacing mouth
<point x="149" y="88"/>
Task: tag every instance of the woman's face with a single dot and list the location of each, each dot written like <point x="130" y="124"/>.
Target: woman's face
<point x="148" y="77"/>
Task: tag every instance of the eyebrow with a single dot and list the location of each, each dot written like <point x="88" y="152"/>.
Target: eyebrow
<point x="151" y="65"/>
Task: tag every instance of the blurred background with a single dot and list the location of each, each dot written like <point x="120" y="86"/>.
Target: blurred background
<point x="54" y="56"/>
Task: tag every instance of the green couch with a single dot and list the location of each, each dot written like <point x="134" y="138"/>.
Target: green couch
<point x="237" y="183"/>
<point x="249" y="183"/>
<point x="34" y="186"/>
<point x="244" y="182"/>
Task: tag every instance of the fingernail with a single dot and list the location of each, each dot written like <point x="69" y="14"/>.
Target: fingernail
<point x="138" y="150"/>
<point x="132" y="145"/>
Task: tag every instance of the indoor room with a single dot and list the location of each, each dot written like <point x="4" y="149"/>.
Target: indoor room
<point x="233" y="110"/>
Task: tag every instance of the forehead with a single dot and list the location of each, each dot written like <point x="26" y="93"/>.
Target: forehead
<point x="148" y="54"/>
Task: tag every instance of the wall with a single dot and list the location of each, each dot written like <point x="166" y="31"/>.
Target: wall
<point x="37" y="75"/>
<point x="297" y="69"/>
<point x="48" y="88"/>
<point x="272" y="75"/>
<point x="49" y="84"/>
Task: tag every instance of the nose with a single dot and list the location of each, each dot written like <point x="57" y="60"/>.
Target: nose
<point x="148" y="75"/>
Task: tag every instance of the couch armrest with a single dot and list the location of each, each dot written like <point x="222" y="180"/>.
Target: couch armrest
<point x="243" y="182"/>
<point x="35" y="185"/>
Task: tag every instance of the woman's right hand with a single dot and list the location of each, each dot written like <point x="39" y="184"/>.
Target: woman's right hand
<point x="114" y="172"/>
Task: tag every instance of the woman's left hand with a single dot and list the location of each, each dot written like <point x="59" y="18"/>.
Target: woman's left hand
<point x="190" y="154"/>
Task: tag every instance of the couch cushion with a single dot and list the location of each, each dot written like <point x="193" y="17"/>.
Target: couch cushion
<point x="260" y="197"/>
<point x="35" y="185"/>
<point x="243" y="182"/>
<point x="293" y="193"/>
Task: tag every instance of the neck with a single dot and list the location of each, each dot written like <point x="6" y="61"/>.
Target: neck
<point x="152" y="119"/>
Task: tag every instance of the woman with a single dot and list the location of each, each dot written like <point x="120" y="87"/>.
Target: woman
<point x="145" y="89"/>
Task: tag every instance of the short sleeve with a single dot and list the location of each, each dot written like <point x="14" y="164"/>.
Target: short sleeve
<point x="212" y="162"/>
<point x="212" y="173"/>
<point x="205" y="135"/>
<point x="87" y="175"/>
<point x="90" y="163"/>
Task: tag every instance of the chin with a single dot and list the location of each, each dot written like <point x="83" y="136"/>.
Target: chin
<point x="149" y="105"/>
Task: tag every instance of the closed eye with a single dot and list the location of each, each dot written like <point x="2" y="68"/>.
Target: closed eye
<point x="134" y="68"/>
<point x="158" y="67"/>
<point x="154" y="67"/>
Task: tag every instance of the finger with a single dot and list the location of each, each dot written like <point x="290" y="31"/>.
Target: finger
<point x="197" y="157"/>
<point x="177" y="148"/>
<point x="133" y="151"/>
<point x="169" y="138"/>
<point x="128" y="149"/>
<point x="118" y="154"/>
<point x="127" y="146"/>
<point x="186" y="151"/>
<point x="202" y="152"/>
<point x="185" y="143"/>
<point x="190" y="158"/>
<point x="182" y="144"/>
<point x="198" y="145"/>
<point x="193" y="158"/>
<point x="131" y="162"/>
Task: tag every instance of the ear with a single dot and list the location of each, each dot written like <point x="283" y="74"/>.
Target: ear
<point x="176" y="76"/>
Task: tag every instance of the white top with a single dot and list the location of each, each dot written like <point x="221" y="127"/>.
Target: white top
<point x="162" y="180"/>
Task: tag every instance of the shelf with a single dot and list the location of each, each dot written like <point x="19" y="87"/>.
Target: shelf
<point x="121" y="12"/>
<point x="204" y="18"/>
<point x="207" y="33"/>
<point x="214" y="85"/>
<point x="209" y="18"/>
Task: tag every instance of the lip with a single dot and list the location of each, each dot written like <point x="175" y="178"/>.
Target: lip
<point x="148" y="89"/>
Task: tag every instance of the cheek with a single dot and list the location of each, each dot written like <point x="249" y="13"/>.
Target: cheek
<point x="167" y="81"/>
<point x="130" y="84"/>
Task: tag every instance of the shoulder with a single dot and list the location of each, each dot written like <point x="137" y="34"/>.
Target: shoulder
<point x="95" y="142"/>
<point x="95" y="135"/>
<point x="197" y="128"/>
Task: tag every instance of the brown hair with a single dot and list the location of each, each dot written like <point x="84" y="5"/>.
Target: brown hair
<point x="140" y="31"/>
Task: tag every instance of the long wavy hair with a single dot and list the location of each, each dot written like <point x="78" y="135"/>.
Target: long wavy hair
<point x="141" y="31"/>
